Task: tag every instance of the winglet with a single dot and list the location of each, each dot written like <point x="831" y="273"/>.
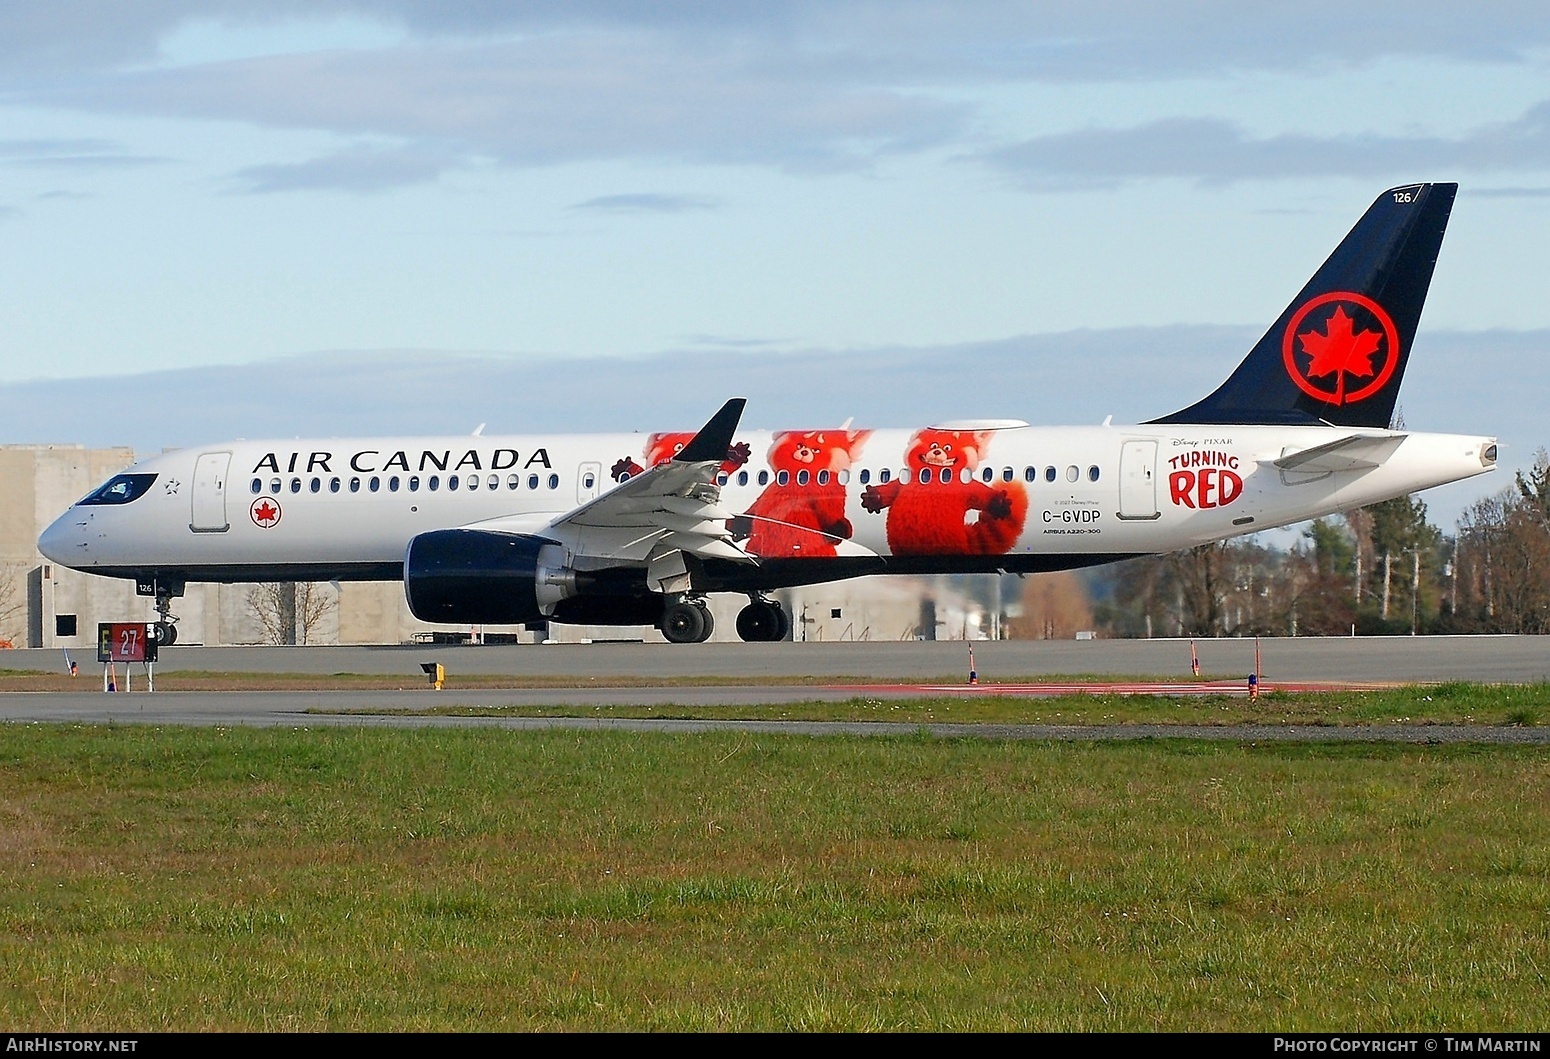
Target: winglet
<point x="715" y="437"/>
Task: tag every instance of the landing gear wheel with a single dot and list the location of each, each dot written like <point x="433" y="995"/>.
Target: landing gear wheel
<point x="762" y="621"/>
<point x="687" y="623"/>
<point x="166" y="634"/>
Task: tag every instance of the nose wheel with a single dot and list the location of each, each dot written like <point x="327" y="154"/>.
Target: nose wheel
<point x="166" y="624"/>
<point x="687" y="621"/>
<point x="763" y="621"/>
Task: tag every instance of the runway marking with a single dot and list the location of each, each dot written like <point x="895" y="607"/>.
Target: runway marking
<point x="1233" y="688"/>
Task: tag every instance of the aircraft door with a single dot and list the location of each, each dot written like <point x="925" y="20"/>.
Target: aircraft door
<point x="588" y="480"/>
<point x="1138" y="480"/>
<point x="208" y="494"/>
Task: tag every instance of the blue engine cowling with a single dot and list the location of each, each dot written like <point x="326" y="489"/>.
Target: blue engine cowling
<point x="483" y="577"/>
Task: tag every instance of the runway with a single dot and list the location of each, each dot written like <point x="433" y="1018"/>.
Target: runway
<point x="766" y="675"/>
<point x="1405" y="659"/>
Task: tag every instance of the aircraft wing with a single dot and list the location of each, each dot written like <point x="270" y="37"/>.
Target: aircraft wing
<point x="673" y="507"/>
<point x="1355" y="452"/>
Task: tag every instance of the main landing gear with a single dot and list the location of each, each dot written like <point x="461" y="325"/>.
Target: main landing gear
<point x="763" y="621"/>
<point x="687" y="621"/>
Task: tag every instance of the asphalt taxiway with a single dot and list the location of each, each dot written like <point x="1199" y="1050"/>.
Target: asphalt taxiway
<point x="760" y="675"/>
<point x="1388" y="659"/>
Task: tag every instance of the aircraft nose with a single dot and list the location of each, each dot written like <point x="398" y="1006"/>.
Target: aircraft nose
<point x="58" y="541"/>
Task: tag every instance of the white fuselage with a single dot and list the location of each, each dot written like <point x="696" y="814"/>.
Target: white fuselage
<point x="348" y="507"/>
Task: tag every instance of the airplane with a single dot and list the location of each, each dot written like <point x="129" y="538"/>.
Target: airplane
<point x="610" y="530"/>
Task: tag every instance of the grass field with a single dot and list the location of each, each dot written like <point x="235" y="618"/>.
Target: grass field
<point x="445" y="879"/>
<point x="1478" y="704"/>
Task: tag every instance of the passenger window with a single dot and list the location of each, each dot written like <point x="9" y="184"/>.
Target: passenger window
<point x="295" y="485"/>
<point x="414" y="483"/>
<point x="554" y="481"/>
<point x="316" y="485"/>
<point x="274" y="485"/>
<point x="258" y="485"/>
<point x="721" y="478"/>
<point x="844" y="477"/>
<point x="453" y="481"/>
<point x="764" y="477"/>
<point x="433" y="483"/>
<point x="883" y="475"/>
<point x="513" y="480"/>
<point x="1072" y="474"/>
<point x="375" y="484"/>
<point x="393" y="484"/>
<point x="823" y="477"/>
<point x="866" y="475"/>
<point x="355" y="485"/>
<point x="532" y="481"/>
<point x="1049" y="474"/>
<point x="742" y="477"/>
<point x="802" y="476"/>
<point x="1092" y="474"/>
<point x="473" y="481"/>
<point x="493" y="482"/>
<point x="333" y="485"/>
<point x="1006" y="474"/>
<point x="989" y="474"/>
<point x="782" y="477"/>
<point x="925" y="475"/>
<point x="1030" y="474"/>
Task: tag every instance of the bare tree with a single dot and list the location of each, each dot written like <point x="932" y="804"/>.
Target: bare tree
<point x="314" y="602"/>
<point x="289" y="612"/>
<point x="13" y="603"/>
<point x="274" y="607"/>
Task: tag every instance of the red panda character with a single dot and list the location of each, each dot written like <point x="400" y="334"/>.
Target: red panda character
<point x="803" y="515"/>
<point x="662" y="447"/>
<point x="929" y="514"/>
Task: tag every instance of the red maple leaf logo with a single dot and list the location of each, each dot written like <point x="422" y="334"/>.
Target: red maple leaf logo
<point x="265" y="513"/>
<point x="1340" y="347"/>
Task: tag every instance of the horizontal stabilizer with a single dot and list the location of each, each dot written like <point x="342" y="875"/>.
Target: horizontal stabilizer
<point x="1357" y="452"/>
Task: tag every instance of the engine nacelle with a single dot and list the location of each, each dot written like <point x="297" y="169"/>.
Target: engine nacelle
<point x="482" y="577"/>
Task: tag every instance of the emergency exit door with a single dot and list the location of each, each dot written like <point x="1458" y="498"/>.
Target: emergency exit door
<point x="208" y="494"/>
<point x="1138" y="480"/>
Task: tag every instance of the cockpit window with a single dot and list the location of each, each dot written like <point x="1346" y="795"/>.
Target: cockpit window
<point x="120" y="489"/>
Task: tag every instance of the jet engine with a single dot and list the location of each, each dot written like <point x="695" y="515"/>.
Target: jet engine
<point x="482" y="577"/>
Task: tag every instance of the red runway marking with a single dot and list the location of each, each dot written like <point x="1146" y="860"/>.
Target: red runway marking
<point x="1211" y="687"/>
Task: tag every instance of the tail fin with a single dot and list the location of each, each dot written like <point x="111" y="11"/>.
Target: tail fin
<point x="1337" y="354"/>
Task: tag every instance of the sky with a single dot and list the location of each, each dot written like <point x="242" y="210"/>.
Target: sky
<point x="278" y="209"/>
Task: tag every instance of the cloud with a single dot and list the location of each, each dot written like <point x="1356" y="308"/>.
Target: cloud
<point x="1213" y="151"/>
<point x="800" y="85"/>
<point x="648" y="203"/>
<point x="541" y="102"/>
<point x="1051" y="39"/>
<point x="362" y="171"/>
<point x="71" y="154"/>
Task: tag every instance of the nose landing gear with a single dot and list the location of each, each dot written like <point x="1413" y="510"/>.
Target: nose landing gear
<point x="763" y="621"/>
<point x="166" y="624"/>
